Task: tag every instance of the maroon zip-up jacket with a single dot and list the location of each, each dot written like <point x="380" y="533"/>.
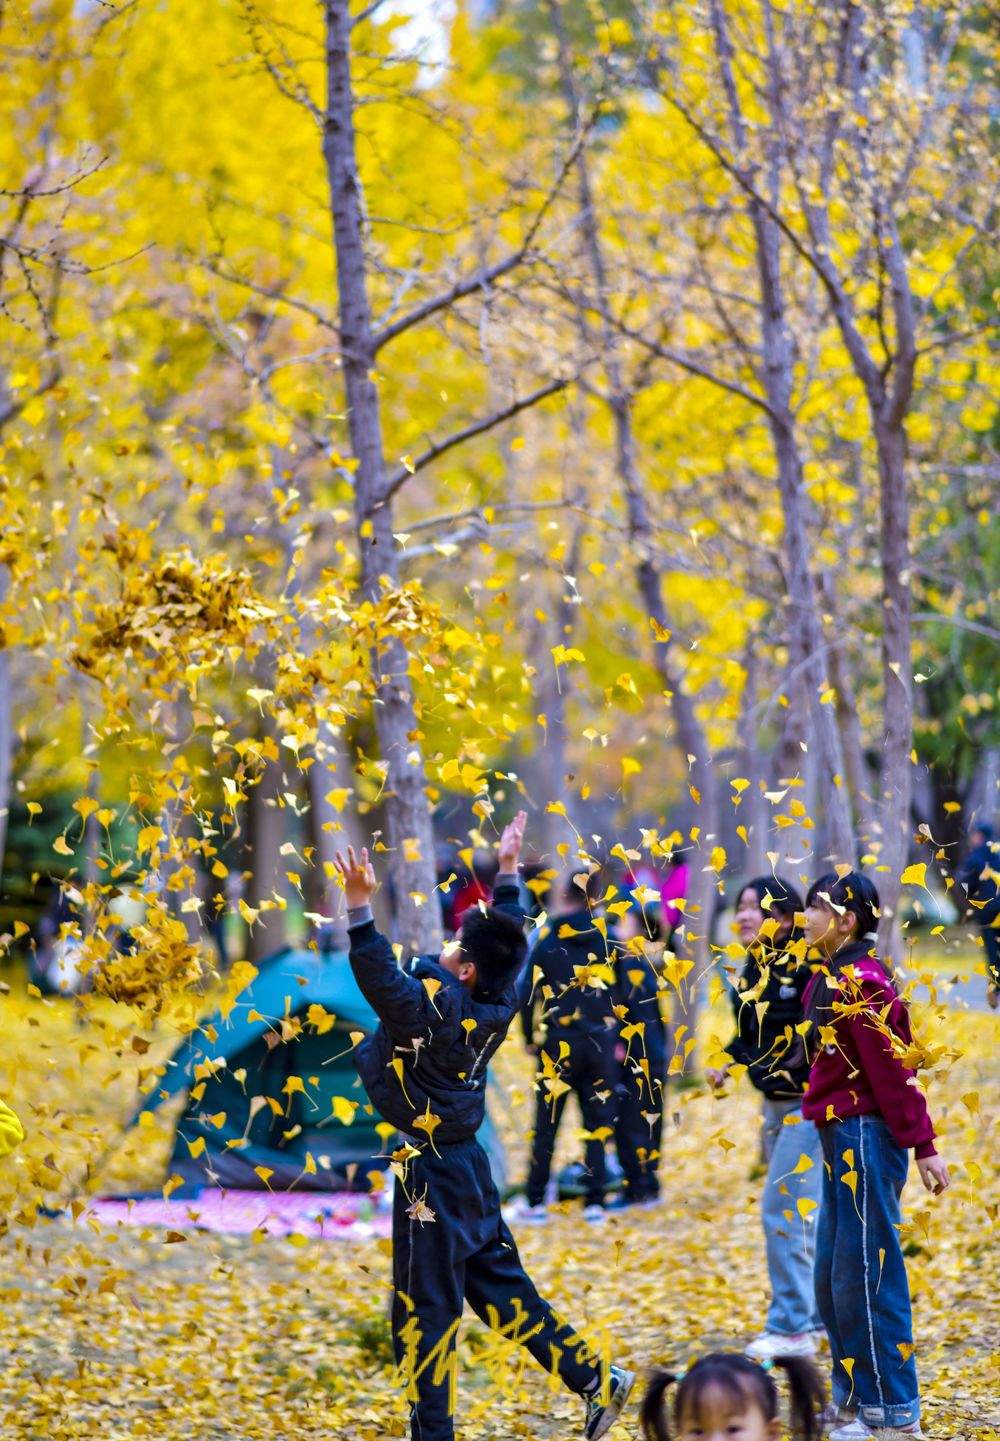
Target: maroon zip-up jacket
<point x="859" y="1074"/>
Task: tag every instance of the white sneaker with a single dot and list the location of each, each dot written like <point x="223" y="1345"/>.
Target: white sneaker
<point x="859" y="1430"/>
<point x="524" y="1214"/>
<point x="595" y="1215"/>
<point x="833" y="1415"/>
<point x="771" y="1343"/>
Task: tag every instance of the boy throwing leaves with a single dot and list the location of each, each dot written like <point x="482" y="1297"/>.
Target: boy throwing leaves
<point x="425" y="1071"/>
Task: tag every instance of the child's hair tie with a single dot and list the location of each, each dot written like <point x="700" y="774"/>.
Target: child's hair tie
<point x="767" y="1365"/>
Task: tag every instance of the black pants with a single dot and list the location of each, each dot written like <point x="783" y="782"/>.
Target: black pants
<point x="639" y="1127"/>
<point x="590" y="1071"/>
<point x="466" y="1253"/>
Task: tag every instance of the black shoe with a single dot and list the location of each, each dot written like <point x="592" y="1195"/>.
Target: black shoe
<point x="602" y="1415"/>
<point x="627" y="1202"/>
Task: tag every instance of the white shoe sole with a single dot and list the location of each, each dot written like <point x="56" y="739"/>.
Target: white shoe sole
<point x="770" y="1353"/>
<point x="614" y="1408"/>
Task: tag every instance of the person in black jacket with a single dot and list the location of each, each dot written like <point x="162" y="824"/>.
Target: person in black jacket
<point x="767" y="1002"/>
<point x="978" y="875"/>
<point x="642" y="1056"/>
<point x="572" y="1000"/>
<point x="424" y="1069"/>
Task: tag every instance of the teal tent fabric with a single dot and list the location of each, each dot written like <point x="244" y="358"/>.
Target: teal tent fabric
<point x="274" y="1091"/>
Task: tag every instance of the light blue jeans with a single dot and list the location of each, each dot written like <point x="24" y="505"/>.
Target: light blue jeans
<point x="789" y="1237"/>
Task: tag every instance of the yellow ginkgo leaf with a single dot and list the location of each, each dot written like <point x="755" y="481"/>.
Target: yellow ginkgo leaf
<point x="915" y="875"/>
<point x="345" y="1110"/>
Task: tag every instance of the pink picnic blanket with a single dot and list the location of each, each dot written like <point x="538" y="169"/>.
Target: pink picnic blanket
<point x="337" y="1216"/>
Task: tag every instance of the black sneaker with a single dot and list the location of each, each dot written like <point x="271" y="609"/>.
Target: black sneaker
<point x="602" y="1415"/>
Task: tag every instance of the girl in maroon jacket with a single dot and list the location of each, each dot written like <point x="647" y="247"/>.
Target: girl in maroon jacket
<point x="870" y="1111"/>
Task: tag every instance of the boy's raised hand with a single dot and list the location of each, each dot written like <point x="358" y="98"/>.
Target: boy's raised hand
<point x="509" y="852"/>
<point x="358" y="876"/>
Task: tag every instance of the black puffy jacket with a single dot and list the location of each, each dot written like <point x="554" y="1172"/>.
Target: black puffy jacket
<point x="976" y="874"/>
<point x="429" y="1055"/>
<point x="639" y="993"/>
<point x="766" y="1041"/>
<point x="573" y="1000"/>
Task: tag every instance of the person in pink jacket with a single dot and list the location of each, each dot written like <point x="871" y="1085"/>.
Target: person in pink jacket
<point x="673" y="888"/>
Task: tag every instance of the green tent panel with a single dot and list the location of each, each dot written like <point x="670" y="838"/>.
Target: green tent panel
<point x="277" y="1095"/>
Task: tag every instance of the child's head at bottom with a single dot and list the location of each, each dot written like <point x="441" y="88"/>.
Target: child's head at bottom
<point x="728" y="1397"/>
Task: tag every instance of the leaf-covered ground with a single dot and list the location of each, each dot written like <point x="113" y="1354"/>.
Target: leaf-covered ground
<point x="119" y="1336"/>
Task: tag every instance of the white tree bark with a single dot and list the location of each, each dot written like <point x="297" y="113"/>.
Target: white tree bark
<point x="408" y="814"/>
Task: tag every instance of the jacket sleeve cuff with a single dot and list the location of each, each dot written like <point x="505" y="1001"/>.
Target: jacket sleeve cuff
<point x="362" y="935"/>
<point x="358" y="916"/>
<point x="925" y="1149"/>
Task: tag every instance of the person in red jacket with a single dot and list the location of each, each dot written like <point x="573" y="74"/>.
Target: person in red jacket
<point x="869" y="1108"/>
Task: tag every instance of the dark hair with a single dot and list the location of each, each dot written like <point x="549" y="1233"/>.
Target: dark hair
<point x="782" y="898"/>
<point x="855" y="893"/>
<point x="742" y="1380"/>
<point x="852" y="892"/>
<point x="495" y="943"/>
<point x="592" y="890"/>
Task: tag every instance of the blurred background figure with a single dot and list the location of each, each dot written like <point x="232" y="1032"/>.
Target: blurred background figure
<point x="642" y="1060"/>
<point x="978" y="874"/>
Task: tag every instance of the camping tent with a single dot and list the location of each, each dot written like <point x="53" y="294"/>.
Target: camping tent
<point x="268" y="1076"/>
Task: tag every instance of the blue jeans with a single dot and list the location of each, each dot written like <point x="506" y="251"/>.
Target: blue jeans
<point x="861" y="1286"/>
<point x="789" y="1238"/>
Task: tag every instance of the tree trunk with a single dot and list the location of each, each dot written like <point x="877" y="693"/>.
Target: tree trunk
<point x="752" y="813"/>
<point x="788" y="843"/>
<point x="266" y="833"/>
<point x="408" y="816"/>
<point x="860" y="783"/>
<point x="897" y="676"/>
<point x="689" y="734"/>
<point x="803" y="615"/>
<point x="983" y="792"/>
<point x="805" y="627"/>
<point x="331" y="828"/>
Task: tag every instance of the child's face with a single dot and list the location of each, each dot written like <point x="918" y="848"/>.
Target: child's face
<point x="630" y="924"/>
<point x="825" y="928"/>
<point x="752" y="922"/>
<point x="720" y="1418"/>
<point x="749" y="916"/>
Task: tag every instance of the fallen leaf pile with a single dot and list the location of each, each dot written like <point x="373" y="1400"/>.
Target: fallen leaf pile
<point x="186" y="1336"/>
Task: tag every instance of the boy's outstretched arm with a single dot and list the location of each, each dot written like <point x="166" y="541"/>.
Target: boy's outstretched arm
<point x="507" y="888"/>
<point x="398" y="999"/>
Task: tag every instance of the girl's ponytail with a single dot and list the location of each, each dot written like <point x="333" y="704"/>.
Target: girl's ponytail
<point x="807" y="1395"/>
<point x="654" y="1411"/>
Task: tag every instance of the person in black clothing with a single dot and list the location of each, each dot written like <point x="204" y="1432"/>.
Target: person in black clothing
<point x="978" y="875"/>
<point x="572" y="1000"/>
<point x="642" y="1057"/>
<point x="767" y="1002"/>
<point x="441" y="1021"/>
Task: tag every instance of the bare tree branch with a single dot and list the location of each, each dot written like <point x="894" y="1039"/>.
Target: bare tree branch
<point x="366" y="13"/>
<point x="12" y="408"/>
<point x="275" y="293"/>
<point x="479" y="427"/>
<point x="31" y="191"/>
<point x="933" y="617"/>
<point x="484" y="277"/>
